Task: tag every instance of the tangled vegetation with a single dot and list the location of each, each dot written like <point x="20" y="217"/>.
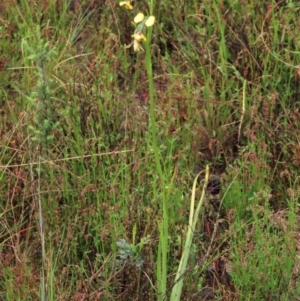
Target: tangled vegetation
<point x="121" y="122"/>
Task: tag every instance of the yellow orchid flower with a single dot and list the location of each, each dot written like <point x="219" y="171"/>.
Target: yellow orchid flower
<point x="138" y="36"/>
<point x="127" y="4"/>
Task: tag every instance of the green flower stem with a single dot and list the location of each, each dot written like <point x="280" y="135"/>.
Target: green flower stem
<point x="151" y="5"/>
<point x="164" y="225"/>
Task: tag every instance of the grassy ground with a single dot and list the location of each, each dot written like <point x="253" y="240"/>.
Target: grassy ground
<point x="87" y="189"/>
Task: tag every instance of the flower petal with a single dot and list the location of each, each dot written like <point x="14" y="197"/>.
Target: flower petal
<point x="136" y="45"/>
<point x="127" y="4"/>
<point x="128" y="46"/>
<point x="139" y="18"/>
<point x="139" y="37"/>
<point x="150" y="21"/>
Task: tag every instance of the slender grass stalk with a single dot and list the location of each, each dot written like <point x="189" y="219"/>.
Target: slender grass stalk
<point x="243" y="110"/>
<point x="177" y="289"/>
<point x="44" y="292"/>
